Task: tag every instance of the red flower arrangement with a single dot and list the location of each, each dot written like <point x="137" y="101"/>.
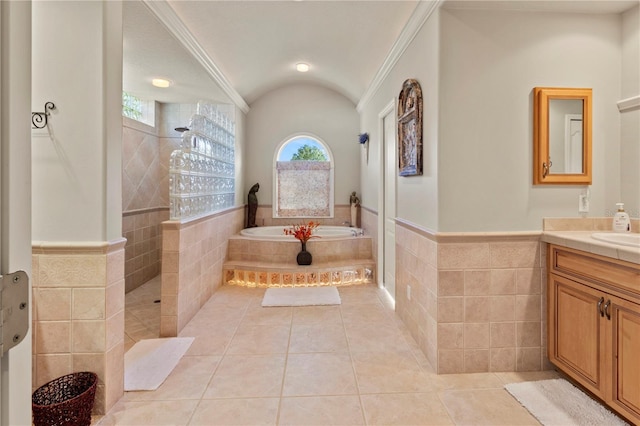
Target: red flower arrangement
<point x="303" y="232"/>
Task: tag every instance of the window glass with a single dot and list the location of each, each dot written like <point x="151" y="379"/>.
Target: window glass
<point x="303" y="176"/>
<point x="138" y="109"/>
<point x="303" y="148"/>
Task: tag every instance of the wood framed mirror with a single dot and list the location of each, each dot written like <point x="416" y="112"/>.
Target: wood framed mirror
<point x="561" y="136"/>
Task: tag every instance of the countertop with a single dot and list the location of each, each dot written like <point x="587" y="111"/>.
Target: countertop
<point x="582" y="240"/>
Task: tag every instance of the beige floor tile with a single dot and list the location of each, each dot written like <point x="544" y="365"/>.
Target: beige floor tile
<point x="239" y="297"/>
<point x="215" y="344"/>
<point x="149" y="413"/>
<point x="318" y="338"/>
<point x="385" y="372"/>
<point x="241" y="376"/>
<point x="321" y="410"/>
<point x="375" y="337"/>
<point x="369" y="293"/>
<point x="249" y="411"/>
<point x="527" y="376"/>
<point x="218" y="315"/>
<point x="485" y="407"/>
<point x="210" y="338"/>
<point x="307" y="365"/>
<point x="319" y="374"/>
<point x="260" y="339"/>
<point x="365" y="313"/>
<point x="405" y="409"/>
<point x="268" y="316"/>
<point x="468" y="381"/>
<point x="317" y="315"/>
<point x="187" y="381"/>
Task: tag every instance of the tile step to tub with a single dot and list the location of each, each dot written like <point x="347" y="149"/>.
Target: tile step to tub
<point x="261" y="274"/>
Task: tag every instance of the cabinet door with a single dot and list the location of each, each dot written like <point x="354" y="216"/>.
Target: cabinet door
<point x="576" y="331"/>
<point x="625" y="318"/>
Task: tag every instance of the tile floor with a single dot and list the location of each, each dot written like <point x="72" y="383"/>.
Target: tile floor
<point x="350" y="364"/>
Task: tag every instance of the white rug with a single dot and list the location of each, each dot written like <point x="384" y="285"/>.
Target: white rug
<point x="148" y="363"/>
<point x="301" y="296"/>
<point x="558" y="402"/>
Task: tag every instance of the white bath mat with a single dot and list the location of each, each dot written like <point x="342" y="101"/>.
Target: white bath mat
<point x="301" y="296"/>
<point x="558" y="402"/>
<point x="148" y="363"/>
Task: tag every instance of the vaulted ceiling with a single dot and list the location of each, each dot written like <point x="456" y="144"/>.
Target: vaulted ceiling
<point x="238" y="50"/>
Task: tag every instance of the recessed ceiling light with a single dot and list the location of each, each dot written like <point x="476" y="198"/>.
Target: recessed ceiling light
<point x="160" y="82"/>
<point x="302" y="67"/>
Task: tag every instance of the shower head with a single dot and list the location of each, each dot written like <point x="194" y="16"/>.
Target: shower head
<point x="181" y="129"/>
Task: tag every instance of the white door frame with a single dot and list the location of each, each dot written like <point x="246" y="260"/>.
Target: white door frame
<point x="390" y="107"/>
<point x="15" y="194"/>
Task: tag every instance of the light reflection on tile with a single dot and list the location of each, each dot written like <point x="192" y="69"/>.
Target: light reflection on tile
<point x="354" y="363"/>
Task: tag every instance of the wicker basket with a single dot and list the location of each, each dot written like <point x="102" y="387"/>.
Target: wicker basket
<point x="67" y="400"/>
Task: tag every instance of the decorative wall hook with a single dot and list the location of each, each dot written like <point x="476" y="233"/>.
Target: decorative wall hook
<point x="39" y="119"/>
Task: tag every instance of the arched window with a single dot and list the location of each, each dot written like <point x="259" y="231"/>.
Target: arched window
<point x="303" y="178"/>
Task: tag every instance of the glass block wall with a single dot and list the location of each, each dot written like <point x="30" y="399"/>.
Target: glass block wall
<point x="202" y="171"/>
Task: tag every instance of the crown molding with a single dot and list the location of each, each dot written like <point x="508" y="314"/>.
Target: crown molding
<point x="167" y="16"/>
<point x="629" y="104"/>
<point x="418" y="17"/>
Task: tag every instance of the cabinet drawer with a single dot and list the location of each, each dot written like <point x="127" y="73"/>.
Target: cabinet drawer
<point x="620" y="274"/>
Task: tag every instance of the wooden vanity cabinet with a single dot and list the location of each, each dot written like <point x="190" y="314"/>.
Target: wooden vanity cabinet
<point x="594" y="325"/>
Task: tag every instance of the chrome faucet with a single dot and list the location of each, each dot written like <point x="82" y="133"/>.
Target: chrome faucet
<point x="346" y="223"/>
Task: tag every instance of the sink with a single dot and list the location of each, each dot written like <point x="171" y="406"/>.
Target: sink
<point x="632" y="240"/>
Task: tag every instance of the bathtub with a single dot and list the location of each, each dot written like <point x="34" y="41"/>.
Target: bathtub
<point x="276" y="233"/>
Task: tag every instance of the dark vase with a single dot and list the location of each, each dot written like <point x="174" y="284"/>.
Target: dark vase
<point x="304" y="257"/>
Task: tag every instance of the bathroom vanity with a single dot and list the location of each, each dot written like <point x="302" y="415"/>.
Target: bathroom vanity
<point x="593" y="318"/>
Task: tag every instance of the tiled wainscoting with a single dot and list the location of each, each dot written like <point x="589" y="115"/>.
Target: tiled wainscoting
<point x="369" y="222"/>
<point x="193" y="252"/>
<point x="78" y="314"/>
<point x="143" y="251"/>
<point x="477" y="300"/>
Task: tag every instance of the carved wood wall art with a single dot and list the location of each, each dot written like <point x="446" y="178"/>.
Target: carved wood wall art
<point x="410" y="129"/>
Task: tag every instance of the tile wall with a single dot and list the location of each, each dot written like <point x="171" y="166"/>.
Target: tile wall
<point x="145" y="198"/>
<point x="283" y="252"/>
<point x="369" y="222"/>
<point x="192" y="256"/>
<point x="78" y="315"/>
<point x="477" y="300"/>
<point x="264" y="217"/>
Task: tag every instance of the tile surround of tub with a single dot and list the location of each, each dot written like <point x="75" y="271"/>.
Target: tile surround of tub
<point x="241" y="250"/>
<point x="78" y="314"/>
<point x="193" y="253"/>
<point x="369" y="223"/>
<point x="264" y="217"/>
<point x="478" y="301"/>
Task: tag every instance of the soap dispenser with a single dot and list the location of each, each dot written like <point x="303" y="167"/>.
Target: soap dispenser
<point x="621" y="222"/>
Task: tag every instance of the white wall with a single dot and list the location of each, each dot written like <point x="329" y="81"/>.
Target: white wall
<point x="477" y="69"/>
<point x="630" y="120"/>
<point x="490" y="62"/>
<point x="417" y="196"/>
<point x="77" y="164"/>
<point x="295" y="109"/>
